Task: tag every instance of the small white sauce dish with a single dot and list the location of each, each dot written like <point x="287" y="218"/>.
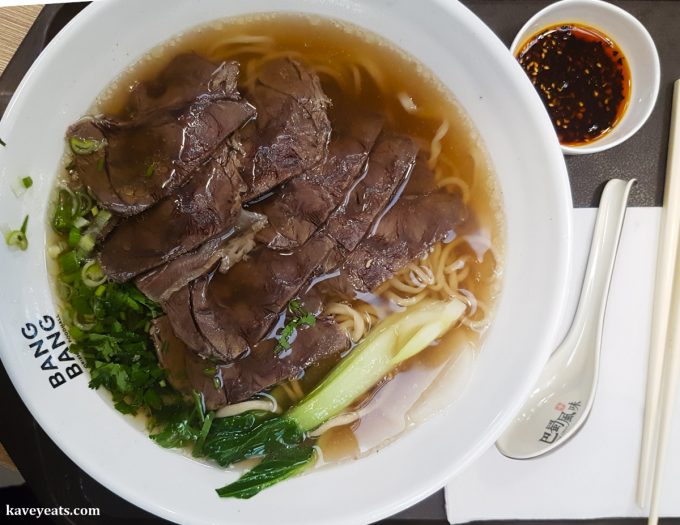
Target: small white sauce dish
<point x="637" y="46"/>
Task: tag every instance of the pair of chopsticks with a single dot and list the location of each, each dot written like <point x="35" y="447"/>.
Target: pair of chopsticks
<point x="663" y="371"/>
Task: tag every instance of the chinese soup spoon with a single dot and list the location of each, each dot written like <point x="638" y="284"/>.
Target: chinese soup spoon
<point x="562" y="398"/>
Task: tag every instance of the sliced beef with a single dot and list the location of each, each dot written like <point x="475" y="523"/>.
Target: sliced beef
<point x="148" y="161"/>
<point x="292" y="129"/>
<point x="263" y="368"/>
<point x="399" y="239"/>
<point x="185" y="78"/>
<point x="234" y="311"/>
<point x="228" y="247"/>
<point x="178" y="309"/>
<point x="185" y="370"/>
<point x="91" y="168"/>
<point x="297" y="210"/>
<point x="180" y="119"/>
<point x="208" y="205"/>
<point x="240" y="380"/>
<point x="389" y="166"/>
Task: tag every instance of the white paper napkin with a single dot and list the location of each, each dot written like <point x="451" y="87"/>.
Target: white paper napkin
<point x="595" y="474"/>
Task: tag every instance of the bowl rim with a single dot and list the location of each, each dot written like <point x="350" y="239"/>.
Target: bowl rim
<point x="562" y="217"/>
<point x="654" y="81"/>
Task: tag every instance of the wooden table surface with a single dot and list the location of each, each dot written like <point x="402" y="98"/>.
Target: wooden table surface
<point x="14" y="23"/>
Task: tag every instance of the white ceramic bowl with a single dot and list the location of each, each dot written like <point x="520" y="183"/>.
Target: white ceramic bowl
<point x="95" y="47"/>
<point x="635" y="43"/>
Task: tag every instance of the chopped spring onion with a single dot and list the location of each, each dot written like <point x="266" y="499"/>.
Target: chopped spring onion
<point x="54" y="251"/>
<point x="92" y="274"/>
<point x="100" y="164"/>
<point x="86" y="243"/>
<point x="81" y="146"/>
<point x="17" y="238"/>
<point x="64" y="290"/>
<point x="84" y="326"/>
<point x="95" y="228"/>
<point x="68" y="262"/>
<point x="151" y="169"/>
<point x="73" y="237"/>
<point x="80" y="222"/>
<point x="84" y="202"/>
<point x="65" y="210"/>
<point x="2" y="143"/>
<point x="19" y="186"/>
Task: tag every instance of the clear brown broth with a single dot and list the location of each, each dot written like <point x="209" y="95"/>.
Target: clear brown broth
<point x="328" y="45"/>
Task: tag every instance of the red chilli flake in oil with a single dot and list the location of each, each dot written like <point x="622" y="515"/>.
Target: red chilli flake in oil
<point x="582" y="77"/>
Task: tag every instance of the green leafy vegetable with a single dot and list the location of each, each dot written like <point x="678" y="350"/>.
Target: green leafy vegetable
<point x="27" y="182"/>
<point x="301" y="317"/>
<point x="179" y="430"/>
<point x="81" y="146"/>
<point x="281" y="440"/>
<point x="397" y="338"/>
<point x="276" y="467"/>
<point x="18" y="238"/>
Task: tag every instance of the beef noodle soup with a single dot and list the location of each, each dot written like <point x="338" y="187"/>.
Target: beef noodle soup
<point x="252" y="209"/>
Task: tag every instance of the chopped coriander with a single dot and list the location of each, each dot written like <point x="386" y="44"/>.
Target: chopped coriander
<point x="27" y="182"/>
<point x="18" y="238"/>
<point x="301" y="317"/>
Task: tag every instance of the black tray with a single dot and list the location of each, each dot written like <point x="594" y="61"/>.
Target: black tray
<point x="57" y="481"/>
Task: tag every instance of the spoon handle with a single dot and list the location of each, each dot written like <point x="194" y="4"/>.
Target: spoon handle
<point x="591" y="307"/>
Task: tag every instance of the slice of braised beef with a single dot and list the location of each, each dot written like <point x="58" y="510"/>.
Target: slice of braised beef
<point x="246" y="302"/>
<point x="185" y="370"/>
<point x="185" y="78"/>
<point x="228" y="247"/>
<point x="179" y="122"/>
<point x="399" y="239"/>
<point x="291" y="132"/>
<point x="208" y="205"/>
<point x="303" y="204"/>
<point x="389" y="166"/>
<point x="178" y="309"/>
<point x="240" y="380"/>
<point x="264" y="367"/>
<point x="91" y="167"/>
<point x="149" y="161"/>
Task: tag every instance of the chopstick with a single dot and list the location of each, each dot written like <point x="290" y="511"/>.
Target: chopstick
<point x="664" y="352"/>
<point x="667" y="401"/>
